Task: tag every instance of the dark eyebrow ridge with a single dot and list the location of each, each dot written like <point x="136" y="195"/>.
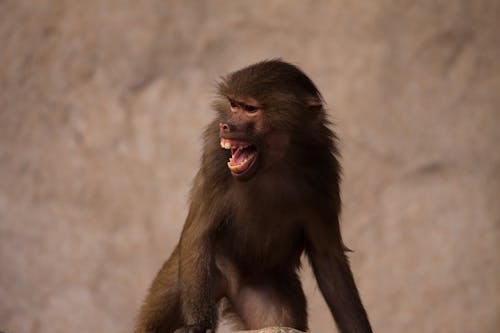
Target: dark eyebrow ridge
<point x="243" y="105"/>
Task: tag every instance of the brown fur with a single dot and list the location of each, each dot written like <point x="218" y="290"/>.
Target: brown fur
<point x="244" y="236"/>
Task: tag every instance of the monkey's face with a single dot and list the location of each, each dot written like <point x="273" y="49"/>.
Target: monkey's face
<point x="242" y="135"/>
<point x="261" y="109"/>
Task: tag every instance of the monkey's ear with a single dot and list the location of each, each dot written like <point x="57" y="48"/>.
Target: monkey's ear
<point x="316" y="111"/>
<point x="314" y="103"/>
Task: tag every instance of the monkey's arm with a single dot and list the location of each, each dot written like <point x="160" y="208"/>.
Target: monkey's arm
<point x="335" y="280"/>
<point x="161" y="309"/>
<point x="196" y="266"/>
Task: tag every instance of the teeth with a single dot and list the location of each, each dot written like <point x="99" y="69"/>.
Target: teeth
<point x="237" y="168"/>
<point x="226" y="144"/>
<point x="245" y="160"/>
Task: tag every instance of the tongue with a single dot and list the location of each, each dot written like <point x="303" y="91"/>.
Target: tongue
<point x="239" y="155"/>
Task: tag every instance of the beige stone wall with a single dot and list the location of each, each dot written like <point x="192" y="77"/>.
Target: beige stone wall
<point x="101" y="108"/>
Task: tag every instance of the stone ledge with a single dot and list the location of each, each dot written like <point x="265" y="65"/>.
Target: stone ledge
<point x="273" y="330"/>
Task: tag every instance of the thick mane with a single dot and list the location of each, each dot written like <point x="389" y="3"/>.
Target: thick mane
<point x="266" y="78"/>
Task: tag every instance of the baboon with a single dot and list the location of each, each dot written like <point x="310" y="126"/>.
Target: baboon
<point x="266" y="192"/>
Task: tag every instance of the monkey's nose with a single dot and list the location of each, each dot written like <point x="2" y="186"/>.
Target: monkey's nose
<point x="224" y="127"/>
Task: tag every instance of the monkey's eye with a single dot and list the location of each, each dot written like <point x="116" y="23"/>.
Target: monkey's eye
<point x="233" y="103"/>
<point x="249" y="108"/>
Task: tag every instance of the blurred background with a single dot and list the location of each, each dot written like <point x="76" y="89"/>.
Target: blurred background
<point x="102" y="105"/>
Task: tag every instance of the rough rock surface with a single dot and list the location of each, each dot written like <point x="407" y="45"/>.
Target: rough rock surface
<point x="101" y="108"/>
<point x="273" y="330"/>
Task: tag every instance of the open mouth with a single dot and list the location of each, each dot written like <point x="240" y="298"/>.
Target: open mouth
<point x="243" y="155"/>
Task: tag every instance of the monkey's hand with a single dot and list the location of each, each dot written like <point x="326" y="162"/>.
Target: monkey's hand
<point x="194" y="329"/>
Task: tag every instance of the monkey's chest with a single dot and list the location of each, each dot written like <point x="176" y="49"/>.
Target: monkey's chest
<point x="258" y="242"/>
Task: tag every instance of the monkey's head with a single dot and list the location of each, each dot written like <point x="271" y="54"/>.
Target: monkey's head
<point x="261" y="108"/>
